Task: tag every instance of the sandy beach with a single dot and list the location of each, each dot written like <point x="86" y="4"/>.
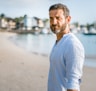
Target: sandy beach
<point x="24" y="71"/>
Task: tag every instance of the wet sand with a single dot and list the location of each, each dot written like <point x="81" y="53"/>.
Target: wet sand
<point x="24" y="71"/>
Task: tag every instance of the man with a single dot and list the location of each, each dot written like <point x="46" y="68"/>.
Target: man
<point x="67" y="56"/>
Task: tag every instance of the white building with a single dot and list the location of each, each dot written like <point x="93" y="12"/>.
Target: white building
<point x="3" y="23"/>
<point x="30" y="22"/>
<point x="27" y="23"/>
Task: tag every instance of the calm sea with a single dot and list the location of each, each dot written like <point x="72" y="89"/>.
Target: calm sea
<point x="42" y="44"/>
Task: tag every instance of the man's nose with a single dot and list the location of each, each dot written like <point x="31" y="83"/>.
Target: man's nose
<point x="54" y="21"/>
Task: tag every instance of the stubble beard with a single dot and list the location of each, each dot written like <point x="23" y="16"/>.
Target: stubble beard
<point x="60" y="30"/>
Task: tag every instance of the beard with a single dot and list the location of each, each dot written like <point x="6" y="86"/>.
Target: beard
<point x="56" y="30"/>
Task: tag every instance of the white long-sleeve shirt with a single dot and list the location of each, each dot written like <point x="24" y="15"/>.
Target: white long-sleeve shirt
<point x="66" y="64"/>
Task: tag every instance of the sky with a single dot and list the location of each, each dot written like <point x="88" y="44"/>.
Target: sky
<point x="82" y="11"/>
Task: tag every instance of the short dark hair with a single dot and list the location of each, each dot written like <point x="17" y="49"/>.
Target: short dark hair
<point x="60" y="6"/>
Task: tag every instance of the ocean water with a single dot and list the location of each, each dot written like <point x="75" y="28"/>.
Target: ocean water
<point x="39" y="44"/>
<point x="42" y="44"/>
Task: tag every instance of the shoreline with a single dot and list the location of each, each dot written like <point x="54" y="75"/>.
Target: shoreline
<point x="90" y="59"/>
<point x="24" y="71"/>
<point x="19" y="69"/>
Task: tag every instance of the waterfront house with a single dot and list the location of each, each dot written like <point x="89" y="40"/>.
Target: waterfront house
<point x="3" y="23"/>
<point x="27" y="23"/>
<point x="11" y="24"/>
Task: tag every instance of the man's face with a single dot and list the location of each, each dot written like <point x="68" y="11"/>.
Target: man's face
<point x="57" y="21"/>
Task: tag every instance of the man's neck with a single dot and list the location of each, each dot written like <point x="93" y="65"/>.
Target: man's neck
<point x="60" y="35"/>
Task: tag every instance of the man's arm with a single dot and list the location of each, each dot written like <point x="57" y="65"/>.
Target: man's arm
<point x="74" y="66"/>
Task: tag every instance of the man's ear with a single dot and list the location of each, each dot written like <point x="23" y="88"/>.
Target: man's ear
<point x="68" y="19"/>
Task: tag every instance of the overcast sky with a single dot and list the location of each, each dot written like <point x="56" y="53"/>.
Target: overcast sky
<point x="83" y="11"/>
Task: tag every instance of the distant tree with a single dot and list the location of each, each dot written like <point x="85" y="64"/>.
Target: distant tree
<point x="16" y="19"/>
<point x="25" y="15"/>
<point x="76" y="24"/>
<point x="45" y="21"/>
<point x="2" y="15"/>
<point x="21" y="18"/>
<point x="95" y="24"/>
<point x="89" y="25"/>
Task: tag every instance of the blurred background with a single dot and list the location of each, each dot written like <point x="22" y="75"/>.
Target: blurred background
<point x="29" y="21"/>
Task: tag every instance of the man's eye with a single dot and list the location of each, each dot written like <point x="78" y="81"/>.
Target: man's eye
<point x="51" y="18"/>
<point x="58" y="18"/>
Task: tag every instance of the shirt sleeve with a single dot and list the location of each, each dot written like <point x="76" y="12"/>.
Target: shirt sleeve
<point x="74" y="65"/>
